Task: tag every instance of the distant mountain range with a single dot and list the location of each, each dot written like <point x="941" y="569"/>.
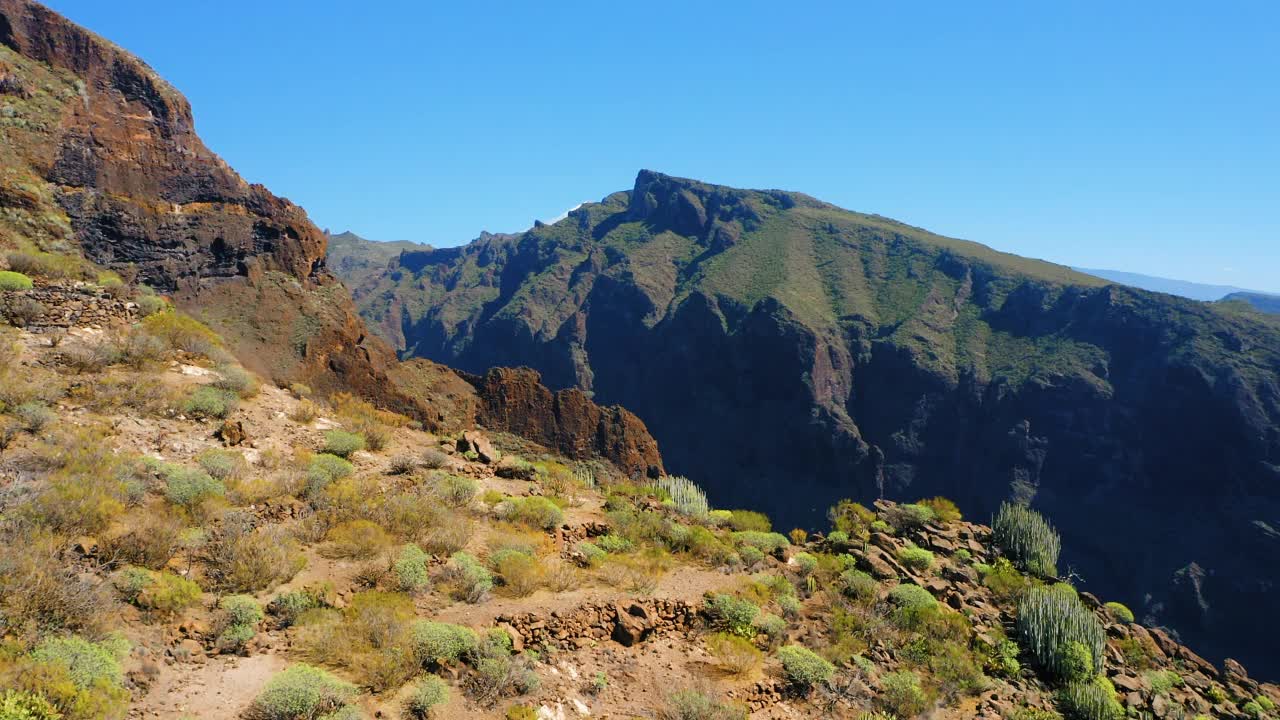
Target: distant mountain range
<point x="1185" y="288"/>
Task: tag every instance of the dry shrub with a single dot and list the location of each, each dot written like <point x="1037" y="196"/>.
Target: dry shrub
<point x="560" y="576"/>
<point x="636" y="573"/>
<point x="451" y="534"/>
<point x="736" y="655"/>
<point x="42" y="592"/>
<point x="371" y="638"/>
<point x="521" y="574"/>
<point x="304" y="412"/>
<point x="363" y="418"/>
<point x="256" y="489"/>
<point x="356" y="540"/>
<point x="145" y="393"/>
<point x="150" y="539"/>
<point x="240" y="558"/>
<point x="89" y="356"/>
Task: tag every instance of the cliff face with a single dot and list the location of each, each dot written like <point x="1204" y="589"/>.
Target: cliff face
<point x="101" y="161"/>
<point x="829" y="354"/>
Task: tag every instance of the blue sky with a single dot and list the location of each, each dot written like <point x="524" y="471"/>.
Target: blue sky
<point x="1138" y="136"/>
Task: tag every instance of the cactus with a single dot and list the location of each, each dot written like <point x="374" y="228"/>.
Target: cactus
<point x="688" y="498"/>
<point x="1028" y="539"/>
<point x="1059" y="631"/>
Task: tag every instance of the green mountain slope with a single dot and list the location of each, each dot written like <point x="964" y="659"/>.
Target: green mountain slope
<point x="840" y="354"/>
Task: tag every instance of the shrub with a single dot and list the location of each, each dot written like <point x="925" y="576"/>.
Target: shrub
<point x="222" y="464"/>
<point x="161" y="591"/>
<point x="1120" y="612"/>
<point x="208" y="402"/>
<point x="304" y="412"/>
<point x="749" y="520"/>
<point x="772" y="626"/>
<point x="301" y="692"/>
<point x="943" y="509"/>
<point x="87" y="663"/>
<point x="434" y="458"/>
<point x="182" y="332"/>
<point x="242" y="559"/>
<point x="859" y="585"/>
<point x="798" y="536"/>
<point x="356" y="539"/>
<point x="735" y="616"/>
<point x="150" y="540"/>
<point x="428" y="693"/>
<point x="241" y="610"/>
<point x="149" y="305"/>
<point x="790" y="605"/>
<point x="686" y="496"/>
<point x="536" y="511"/>
<point x="592" y="554"/>
<point x="902" y="694"/>
<point x="737" y="655"/>
<point x="342" y="443"/>
<point x="189" y="487"/>
<point x="1091" y="700"/>
<point x="455" y="491"/>
<point x="838" y="537"/>
<point x="850" y="518"/>
<point x="695" y="705"/>
<point x="237" y="381"/>
<point x="912" y="597"/>
<point x="803" y="667"/>
<point x="765" y="542"/>
<point x="22" y="705"/>
<point x="323" y="470"/>
<point x="471" y="581"/>
<point x="1057" y="629"/>
<point x="916" y="558"/>
<point x="33" y="416"/>
<point x="437" y="642"/>
<point x="1027" y="538"/>
<point x="12" y="281"/>
<point x="615" y="544"/>
<point x="805" y="563"/>
<point x="907" y="518"/>
<point x="411" y="569"/>
<point x="289" y="606"/>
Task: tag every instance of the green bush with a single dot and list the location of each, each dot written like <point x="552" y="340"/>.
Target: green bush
<point x="592" y="553"/>
<point x="733" y="615"/>
<point x="342" y="443"/>
<point x="455" y="491"/>
<point x="805" y="563"/>
<point x="772" y="626"/>
<point x="803" y="667"/>
<point x="916" y="558"/>
<point x="1090" y="700"/>
<point x="1120" y="612"/>
<point x="87" y="663"/>
<point x="428" y="693"/>
<point x="207" y="401"/>
<point x="188" y="487"/>
<point x="912" y="597"/>
<point x="290" y="605"/>
<point x="908" y="518"/>
<point x="686" y="496"/>
<point x="22" y="705"/>
<point x="536" y="511"/>
<point x="221" y="464"/>
<point x="765" y="542"/>
<point x="12" y="281"/>
<point x="1057" y="629"/>
<point x="838" y="537"/>
<point x="323" y="470"/>
<point x="241" y="610"/>
<point x="411" y="569"/>
<point x="750" y="521"/>
<point x="301" y="692"/>
<point x="471" y="581"/>
<point x="237" y="381"/>
<point x="902" y="694"/>
<point x="695" y="705"/>
<point x="33" y="416"/>
<point x="1027" y="538"/>
<point x="614" y="544"/>
<point x="436" y="642"/>
<point x="162" y="591"/>
<point x="859" y="585"/>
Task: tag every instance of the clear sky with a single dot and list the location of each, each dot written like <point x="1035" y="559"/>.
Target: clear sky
<point x="1140" y="136"/>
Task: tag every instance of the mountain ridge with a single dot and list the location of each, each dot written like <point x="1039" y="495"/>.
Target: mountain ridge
<point x="887" y="361"/>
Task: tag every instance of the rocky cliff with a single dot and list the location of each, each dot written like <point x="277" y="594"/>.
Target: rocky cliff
<point x="102" y="169"/>
<point x="831" y="354"/>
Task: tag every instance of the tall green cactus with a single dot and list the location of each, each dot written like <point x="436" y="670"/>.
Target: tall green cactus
<point x="687" y="497"/>
<point x="1028" y="539"/>
<point x="1059" y="631"/>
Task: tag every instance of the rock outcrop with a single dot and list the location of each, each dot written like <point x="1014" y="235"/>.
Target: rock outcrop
<point x="829" y="354"/>
<point x="516" y="401"/>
